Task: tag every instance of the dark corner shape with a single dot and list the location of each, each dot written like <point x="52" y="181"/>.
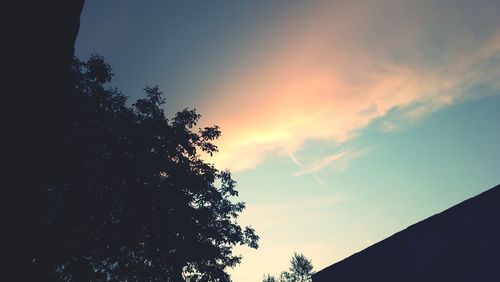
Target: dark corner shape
<point x="461" y="243"/>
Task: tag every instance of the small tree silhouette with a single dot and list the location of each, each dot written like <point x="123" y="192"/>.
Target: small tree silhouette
<point x="269" y="278"/>
<point x="301" y="270"/>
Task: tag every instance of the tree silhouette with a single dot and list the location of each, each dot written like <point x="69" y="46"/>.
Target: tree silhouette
<point x="299" y="271"/>
<point x="134" y="201"/>
<point x="269" y="278"/>
<point x="301" y="268"/>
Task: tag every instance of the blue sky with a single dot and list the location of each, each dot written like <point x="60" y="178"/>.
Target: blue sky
<point x="343" y="121"/>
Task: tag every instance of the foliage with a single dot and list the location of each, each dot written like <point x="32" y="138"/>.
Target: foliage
<point x="301" y="268"/>
<point x="135" y="202"/>
<point x="269" y="278"/>
<point x="299" y="271"/>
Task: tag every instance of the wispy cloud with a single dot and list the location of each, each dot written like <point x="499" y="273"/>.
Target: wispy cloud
<point x="294" y="159"/>
<point x="321" y="163"/>
<point x="319" y="180"/>
<point x="338" y="67"/>
<point x="388" y="126"/>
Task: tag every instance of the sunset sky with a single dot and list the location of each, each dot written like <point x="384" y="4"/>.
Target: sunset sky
<point x="343" y="121"/>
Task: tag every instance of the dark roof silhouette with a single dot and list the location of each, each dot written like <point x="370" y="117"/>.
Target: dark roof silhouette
<point x="461" y="243"/>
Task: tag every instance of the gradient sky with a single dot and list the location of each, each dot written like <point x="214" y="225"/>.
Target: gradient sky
<point x="343" y="121"/>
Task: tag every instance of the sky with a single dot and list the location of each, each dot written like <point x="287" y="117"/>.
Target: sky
<point x="343" y="121"/>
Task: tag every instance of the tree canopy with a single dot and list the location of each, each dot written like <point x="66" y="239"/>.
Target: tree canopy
<point x="301" y="270"/>
<point x="135" y="201"/>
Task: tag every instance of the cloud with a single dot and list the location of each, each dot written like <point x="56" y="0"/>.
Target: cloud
<point x="294" y="159"/>
<point x="321" y="163"/>
<point x="326" y="72"/>
<point x="388" y="126"/>
<point x="319" y="180"/>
